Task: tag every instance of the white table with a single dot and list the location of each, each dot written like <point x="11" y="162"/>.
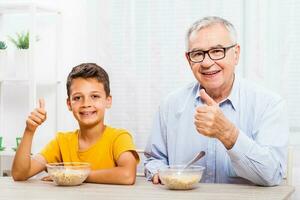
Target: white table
<point x="142" y="190"/>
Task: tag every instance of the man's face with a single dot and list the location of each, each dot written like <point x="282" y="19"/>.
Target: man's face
<point x="88" y="101"/>
<point x="214" y="74"/>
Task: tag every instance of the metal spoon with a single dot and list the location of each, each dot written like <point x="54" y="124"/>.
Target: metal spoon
<point x="195" y="159"/>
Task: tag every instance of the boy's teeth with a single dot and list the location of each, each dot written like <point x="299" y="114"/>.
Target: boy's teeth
<point x="87" y="113"/>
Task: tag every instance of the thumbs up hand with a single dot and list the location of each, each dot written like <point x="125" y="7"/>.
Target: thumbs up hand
<point x="210" y="121"/>
<point x="36" y="117"/>
<point x="207" y="99"/>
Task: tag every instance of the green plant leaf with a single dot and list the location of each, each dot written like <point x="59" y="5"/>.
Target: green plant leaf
<point x="21" y="41"/>
<point x="2" y="45"/>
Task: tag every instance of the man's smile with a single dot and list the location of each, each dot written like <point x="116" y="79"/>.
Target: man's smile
<point x="210" y="74"/>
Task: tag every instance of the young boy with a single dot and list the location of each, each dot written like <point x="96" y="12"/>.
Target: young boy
<point x="110" y="151"/>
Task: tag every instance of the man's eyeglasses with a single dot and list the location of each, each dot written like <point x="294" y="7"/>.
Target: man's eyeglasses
<point x="214" y="54"/>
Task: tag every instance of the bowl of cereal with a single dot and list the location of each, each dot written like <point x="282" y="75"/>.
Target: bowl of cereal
<point x="176" y="177"/>
<point x="68" y="173"/>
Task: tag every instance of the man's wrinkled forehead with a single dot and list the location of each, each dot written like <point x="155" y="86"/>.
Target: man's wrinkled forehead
<point x="210" y="36"/>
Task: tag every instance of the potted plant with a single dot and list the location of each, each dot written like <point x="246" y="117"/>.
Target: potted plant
<point x="3" y="45"/>
<point x="22" y="40"/>
<point x="3" y="58"/>
<point x="21" y="54"/>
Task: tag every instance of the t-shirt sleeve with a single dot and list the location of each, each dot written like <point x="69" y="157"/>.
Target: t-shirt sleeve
<point x="51" y="151"/>
<point x="122" y="144"/>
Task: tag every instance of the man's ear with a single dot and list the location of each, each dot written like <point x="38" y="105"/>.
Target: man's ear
<point x="237" y="50"/>
<point x="108" y="101"/>
<point x="69" y="104"/>
<point x="187" y="58"/>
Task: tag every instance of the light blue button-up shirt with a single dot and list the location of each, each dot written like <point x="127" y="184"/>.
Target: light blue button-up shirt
<point x="259" y="154"/>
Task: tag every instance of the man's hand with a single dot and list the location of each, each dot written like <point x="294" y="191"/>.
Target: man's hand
<point x="36" y="117"/>
<point x="210" y="121"/>
<point x="155" y="179"/>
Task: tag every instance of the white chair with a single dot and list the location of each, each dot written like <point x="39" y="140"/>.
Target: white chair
<point x="289" y="170"/>
<point x="140" y="168"/>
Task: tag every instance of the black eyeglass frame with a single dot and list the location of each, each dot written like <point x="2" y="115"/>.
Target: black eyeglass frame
<point x="207" y="52"/>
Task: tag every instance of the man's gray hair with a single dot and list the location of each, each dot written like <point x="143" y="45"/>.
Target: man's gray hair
<point x="209" y="21"/>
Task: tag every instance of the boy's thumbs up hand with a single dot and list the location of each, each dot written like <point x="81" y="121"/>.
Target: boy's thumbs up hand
<point x="36" y="117"/>
<point x="210" y="121"/>
<point x="42" y="103"/>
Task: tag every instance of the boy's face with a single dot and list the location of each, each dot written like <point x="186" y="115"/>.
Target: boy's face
<point x="88" y="101"/>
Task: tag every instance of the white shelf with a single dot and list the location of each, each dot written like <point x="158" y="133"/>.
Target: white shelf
<point x="48" y="82"/>
<point x="32" y="9"/>
<point x="8" y="7"/>
<point x="13" y="81"/>
<point x="38" y="82"/>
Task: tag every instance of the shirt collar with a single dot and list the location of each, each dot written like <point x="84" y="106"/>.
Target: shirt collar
<point x="234" y="94"/>
<point x="197" y="99"/>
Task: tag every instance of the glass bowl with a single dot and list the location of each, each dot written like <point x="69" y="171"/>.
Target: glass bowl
<point x="68" y="173"/>
<point x="176" y="177"/>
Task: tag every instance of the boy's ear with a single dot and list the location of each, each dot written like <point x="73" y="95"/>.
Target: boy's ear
<point x="69" y="104"/>
<point x="108" y="101"/>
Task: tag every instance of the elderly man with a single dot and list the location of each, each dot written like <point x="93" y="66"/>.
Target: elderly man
<point x="242" y="127"/>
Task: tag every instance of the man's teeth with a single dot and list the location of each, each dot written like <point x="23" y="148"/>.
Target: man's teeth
<point x="210" y="73"/>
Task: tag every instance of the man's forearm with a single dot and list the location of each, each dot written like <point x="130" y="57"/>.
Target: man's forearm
<point x="229" y="136"/>
<point x="260" y="165"/>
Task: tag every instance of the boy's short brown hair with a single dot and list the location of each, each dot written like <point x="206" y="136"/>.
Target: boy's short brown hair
<point x="89" y="70"/>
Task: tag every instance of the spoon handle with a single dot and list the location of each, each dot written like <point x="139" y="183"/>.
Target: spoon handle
<point x="195" y="159"/>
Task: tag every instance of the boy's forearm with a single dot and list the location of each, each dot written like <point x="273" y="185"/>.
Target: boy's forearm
<point x="22" y="160"/>
<point x="116" y="175"/>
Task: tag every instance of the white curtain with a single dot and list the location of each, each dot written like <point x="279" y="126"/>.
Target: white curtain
<point x="272" y="50"/>
<point x="142" y="45"/>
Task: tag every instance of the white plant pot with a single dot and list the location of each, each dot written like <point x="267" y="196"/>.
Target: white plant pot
<point x="21" y="64"/>
<point x="3" y="63"/>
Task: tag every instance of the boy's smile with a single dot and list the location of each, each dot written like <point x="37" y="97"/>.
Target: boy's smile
<point x="88" y="101"/>
<point x="87" y="113"/>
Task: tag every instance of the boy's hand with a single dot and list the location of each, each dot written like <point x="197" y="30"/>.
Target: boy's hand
<point x="47" y="178"/>
<point x="36" y="117"/>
